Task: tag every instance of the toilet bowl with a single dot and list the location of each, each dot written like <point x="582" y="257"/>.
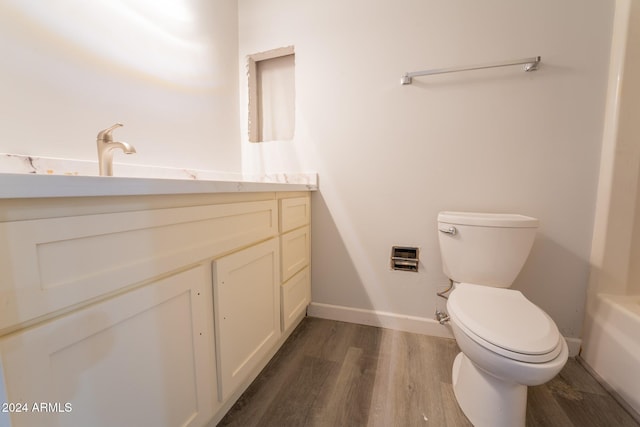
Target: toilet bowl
<point x="502" y="353"/>
<point x="507" y="343"/>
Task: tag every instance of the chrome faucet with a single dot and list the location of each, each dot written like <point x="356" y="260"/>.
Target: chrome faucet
<point x="106" y="147"/>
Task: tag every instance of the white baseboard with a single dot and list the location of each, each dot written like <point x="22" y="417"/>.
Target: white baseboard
<point x="418" y="325"/>
<point x="382" y="319"/>
<point x="574" y="345"/>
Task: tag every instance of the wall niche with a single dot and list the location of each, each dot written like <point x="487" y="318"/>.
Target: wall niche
<point x="272" y="95"/>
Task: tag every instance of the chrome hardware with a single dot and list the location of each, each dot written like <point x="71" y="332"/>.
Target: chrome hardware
<point x="404" y="258"/>
<point x="106" y="147"/>
<point x="442" y="317"/>
<point x="451" y="230"/>
<point x="530" y="64"/>
<point x="444" y="293"/>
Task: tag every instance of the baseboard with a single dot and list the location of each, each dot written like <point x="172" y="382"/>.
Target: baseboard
<point x="627" y="407"/>
<point x="382" y="319"/>
<point x="574" y="345"/>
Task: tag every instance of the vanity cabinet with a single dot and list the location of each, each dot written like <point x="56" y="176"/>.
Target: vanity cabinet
<point x="153" y="310"/>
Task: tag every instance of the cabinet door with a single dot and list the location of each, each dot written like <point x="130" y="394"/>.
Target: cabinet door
<point x="144" y="358"/>
<point x="247" y="312"/>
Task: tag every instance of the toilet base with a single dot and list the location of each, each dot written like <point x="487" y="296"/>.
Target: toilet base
<point x="486" y="400"/>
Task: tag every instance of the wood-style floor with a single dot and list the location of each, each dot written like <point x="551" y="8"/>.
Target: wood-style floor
<point x="332" y="373"/>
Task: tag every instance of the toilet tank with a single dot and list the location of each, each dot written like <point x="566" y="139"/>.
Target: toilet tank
<point x="485" y="248"/>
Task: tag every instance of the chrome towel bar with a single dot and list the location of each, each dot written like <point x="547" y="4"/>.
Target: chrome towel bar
<point x="530" y="64"/>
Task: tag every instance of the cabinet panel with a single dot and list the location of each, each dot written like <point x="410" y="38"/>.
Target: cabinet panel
<point x="247" y="312"/>
<point x="294" y="212"/>
<point x="296" y="296"/>
<point x="50" y="264"/>
<point x="142" y="358"/>
<point x="295" y="247"/>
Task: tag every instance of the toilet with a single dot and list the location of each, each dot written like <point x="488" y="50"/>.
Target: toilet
<point x="507" y="343"/>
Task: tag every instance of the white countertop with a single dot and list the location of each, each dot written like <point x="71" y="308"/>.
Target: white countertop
<point x="16" y="185"/>
<point x="24" y="176"/>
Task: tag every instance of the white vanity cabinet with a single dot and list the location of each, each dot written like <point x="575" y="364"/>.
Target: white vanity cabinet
<point x="151" y="310"/>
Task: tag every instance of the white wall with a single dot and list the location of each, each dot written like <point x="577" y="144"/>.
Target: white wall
<point x="167" y="70"/>
<point x="390" y="157"/>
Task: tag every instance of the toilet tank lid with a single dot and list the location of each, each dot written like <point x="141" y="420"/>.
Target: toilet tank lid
<point x="488" y="219"/>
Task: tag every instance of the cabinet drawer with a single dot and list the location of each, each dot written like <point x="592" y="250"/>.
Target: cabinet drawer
<point x="294" y="251"/>
<point x="294" y="213"/>
<point x="55" y="263"/>
<point x="142" y="358"/>
<point x="296" y="296"/>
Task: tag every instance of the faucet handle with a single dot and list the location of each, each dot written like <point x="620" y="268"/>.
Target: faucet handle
<point x="105" y="134"/>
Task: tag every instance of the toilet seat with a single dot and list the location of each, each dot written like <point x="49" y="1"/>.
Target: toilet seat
<point x="505" y="322"/>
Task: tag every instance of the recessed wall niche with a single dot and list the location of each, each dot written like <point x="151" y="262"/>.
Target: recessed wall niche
<point x="272" y="95"/>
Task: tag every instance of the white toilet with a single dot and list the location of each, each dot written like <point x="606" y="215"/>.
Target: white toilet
<point x="507" y="342"/>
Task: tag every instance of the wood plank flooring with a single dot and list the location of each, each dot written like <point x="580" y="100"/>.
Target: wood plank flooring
<point x="332" y="373"/>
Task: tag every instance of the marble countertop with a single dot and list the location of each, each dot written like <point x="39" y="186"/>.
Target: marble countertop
<point x="30" y="177"/>
<point x="32" y="186"/>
